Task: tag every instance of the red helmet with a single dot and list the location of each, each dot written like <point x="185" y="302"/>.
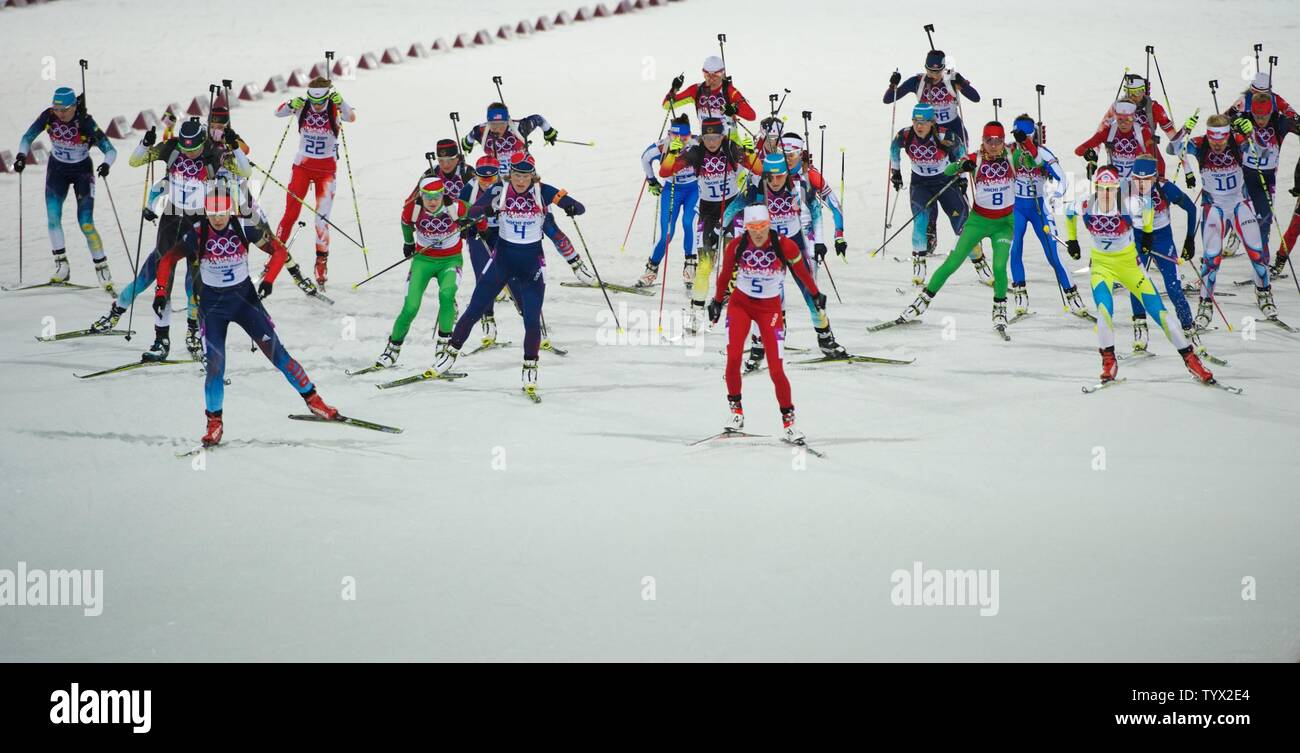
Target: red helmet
<point x="218" y="203"/>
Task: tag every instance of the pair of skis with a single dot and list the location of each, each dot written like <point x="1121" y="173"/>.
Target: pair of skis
<point x="1099" y="386"/>
<point x="340" y="419"/>
<point x="84" y="333"/>
<point x="64" y="285"/>
<point x="609" y="286"/>
<point x="726" y="434"/>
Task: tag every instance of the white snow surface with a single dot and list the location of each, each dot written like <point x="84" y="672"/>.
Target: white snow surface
<point x="498" y="529"/>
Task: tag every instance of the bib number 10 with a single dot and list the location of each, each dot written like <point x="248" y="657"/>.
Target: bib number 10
<point x="1225" y="182"/>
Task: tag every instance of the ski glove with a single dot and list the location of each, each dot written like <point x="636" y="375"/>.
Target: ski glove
<point x="20" y="162"/>
<point x="675" y="146"/>
<point x="1189" y="248"/>
<point x="159" y="305"/>
<point x="1146" y="242"/>
<point x="263" y="289"/>
<point x="896" y="178"/>
<point x="1191" y="122"/>
<point x="959" y="81"/>
<point x="715" y="310"/>
<point x="103" y="169"/>
<point x="297" y="103"/>
<point x="150" y="136"/>
<point x="572" y="210"/>
<point x="895" y="79"/>
<point x="1090" y="155"/>
<point x="1019" y="135"/>
<point x="336" y="98"/>
<point x="730" y="109"/>
<point x="819" y="251"/>
<point x="968" y="165"/>
<point x="408" y="249"/>
<point x="679" y="82"/>
<point x="1191" y="181"/>
<point x="819" y="301"/>
<point x="1243" y="126"/>
<point x="550" y="135"/>
<point x="655" y="187"/>
<point x="149" y="214"/>
<point x="841" y="246"/>
<point x="466" y="145"/>
<point x="1072" y="248"/>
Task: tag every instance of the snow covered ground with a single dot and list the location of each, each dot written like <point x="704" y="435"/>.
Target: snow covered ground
<point x="493" y="528"/>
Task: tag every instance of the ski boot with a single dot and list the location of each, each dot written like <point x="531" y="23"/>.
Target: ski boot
<point x="1075" y="304"/>
<point x="736" y="422"/>
<point x="105" y="276"/>
<point x="695" y="317"/>
<point x="982" y="270"/>
<point x="1264" y="299"/>
<point x="1193" y="338"/>
<point x="445" y="359"/>
<point x="826" y="341"/>
<point x="193" y="343"/>
<point x="441" y="341"/>
<point x="162" y="345"/>
<point x="918" y="269"/>
<point x="1021" y="295"/>
<point x="319" y="407"/>
<point x="529" y="378"/>
<point x="755" y="358"/>
<point x="1109" y="366"/>
<point x="688" y="272"/>
<point x="489" y="331"/>
<point x="1231" y="244"/>
<point x="322" y="264"/>
<point x="917" y="307"/>
<point x="1140" y="335"/>
<point x="62" y="270"/>
<point x="1194" y="365"/>
<point x="213" y="436"/>
<point x="1000" y="314"/>
<point x="790" y="433"/>
<point x="108" y="321"/>
<point x="580" y="271"/>
<point x="649" y="276"/>
<point x="304" y="284"/>
<point x="388" y="358"/>
<point x="1278" y="269"/>
<point x="1204" y="315"/>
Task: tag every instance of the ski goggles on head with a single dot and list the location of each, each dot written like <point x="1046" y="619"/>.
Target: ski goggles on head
<point x="318" y="96"/>
<point x="758" y="224"/>
<point x="991" y="140"/>
<point x="431" y="189"/>
<point x="792" y="145"/>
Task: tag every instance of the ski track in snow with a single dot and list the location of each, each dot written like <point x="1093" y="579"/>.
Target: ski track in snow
<point x="494" y="528"/>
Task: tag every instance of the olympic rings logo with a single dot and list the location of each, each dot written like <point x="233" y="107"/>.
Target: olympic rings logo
<point x="185" y="167"/>
<point x="758" y="258"/>
<point x="434" y="225"/>
<point x="63" y="131"/>
<point x="780" y="204"/>
<point x="1221" y="159"/>
<point x="523" y="204"/>
<point x="713" y="164"/>
<point x="316" y="120"/>
<point x="923" y="151"/>
<point x="223" y="245"/>
<point x="994" y="170"/>
<point x="937" y="95"/>
<point x="1105" y="224"/>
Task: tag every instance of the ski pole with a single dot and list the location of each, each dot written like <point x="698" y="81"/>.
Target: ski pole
<point x="109" y="190"/>
<point x="304" y="204"/>
<point x="139" y="238"/>
<point x="576" y="143"/>
<point x="399" y="262"/>
<point x="84" y="65"/>
<point x="831" y="277"/>
<point x="276" y="156"/>
<point x="636" y="206"/>
<point x="596" y="272"/>
<point x="821" y="168"/>
<point x="20" y="228"/>
<point x="455" y="126"/>
<point x="352" y="188"/>
<point x="889" y="170"/>
<point x="668" y="239"/>
<point x="926" y="208"/>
